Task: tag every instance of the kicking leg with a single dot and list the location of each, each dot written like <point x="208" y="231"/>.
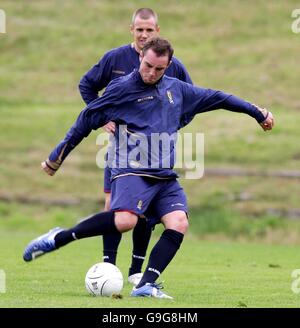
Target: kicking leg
<point x="95" y="225"/>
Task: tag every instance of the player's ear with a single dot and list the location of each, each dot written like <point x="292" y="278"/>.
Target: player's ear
<point x="131" y="28"/>
<point x="157" y="28"/>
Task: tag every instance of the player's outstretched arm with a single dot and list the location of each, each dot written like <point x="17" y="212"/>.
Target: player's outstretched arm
<point x="199" y="100"/>
<point x="88" y="120"/>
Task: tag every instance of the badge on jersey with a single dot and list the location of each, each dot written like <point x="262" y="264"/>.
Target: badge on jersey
<point x="169" y="94"/>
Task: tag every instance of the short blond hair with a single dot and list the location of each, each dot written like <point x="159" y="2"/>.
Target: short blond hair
<point x="144" y="13"/>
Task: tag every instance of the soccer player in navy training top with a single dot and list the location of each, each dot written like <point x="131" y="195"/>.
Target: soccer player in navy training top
<point x="146" y="102"/>
<point x="115" y="63"/>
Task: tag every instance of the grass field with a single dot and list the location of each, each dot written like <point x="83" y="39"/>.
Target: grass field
<point x="245" y="229"/>
<point x="204" y="274"/>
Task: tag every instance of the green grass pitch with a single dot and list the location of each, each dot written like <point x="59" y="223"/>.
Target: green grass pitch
<point x="203" y="274"/>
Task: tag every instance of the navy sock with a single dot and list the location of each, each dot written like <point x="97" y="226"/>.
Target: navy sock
<point x="161" y="255"/>
<point x="110" y="247"/>
<point x="140" y="237"/>
<point x="95" y="225"/>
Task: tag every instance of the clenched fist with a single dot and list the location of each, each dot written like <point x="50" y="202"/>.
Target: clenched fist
<point x="50" y="167"/>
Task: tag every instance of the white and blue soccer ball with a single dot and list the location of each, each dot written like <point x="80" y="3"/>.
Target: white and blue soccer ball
<point x="104" y="279"/>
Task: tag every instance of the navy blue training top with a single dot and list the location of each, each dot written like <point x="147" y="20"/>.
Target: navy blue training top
<point x="116" y="63"/>
<point x="146" y="110"/>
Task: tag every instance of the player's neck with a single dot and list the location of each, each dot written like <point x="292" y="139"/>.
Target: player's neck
<point x="133" y="45"/>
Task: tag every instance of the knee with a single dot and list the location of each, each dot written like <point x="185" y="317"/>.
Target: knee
<point x="177" y="221"/>
<point x="125" y="221"/>
<point x="182" y="223"/>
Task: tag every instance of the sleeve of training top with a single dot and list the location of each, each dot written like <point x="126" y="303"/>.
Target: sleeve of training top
<point x="181" y="72"/>
<point x="95" y="115"/>
<point x="96" y="79"/>
<point x="184" y="75"/>
<point x="198" y="100"/>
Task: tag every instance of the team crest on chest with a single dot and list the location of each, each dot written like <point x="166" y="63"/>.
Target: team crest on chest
<point x="140" y="204"/>
<point x="170" y="97"/>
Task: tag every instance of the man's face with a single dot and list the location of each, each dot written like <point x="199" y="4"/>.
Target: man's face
<point x="142" y="30"/>
<point x="152" y="68"/>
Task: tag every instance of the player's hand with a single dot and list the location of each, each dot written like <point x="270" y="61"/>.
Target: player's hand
<point x="110" y="127"/>
<point x="49" y="167"/>
<point x="268" y="123"/>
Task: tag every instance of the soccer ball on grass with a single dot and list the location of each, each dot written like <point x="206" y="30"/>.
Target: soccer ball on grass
<point x="104" y="279"/>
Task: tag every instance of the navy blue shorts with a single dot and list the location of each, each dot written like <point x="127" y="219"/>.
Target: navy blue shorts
<point x="149" y="197"/>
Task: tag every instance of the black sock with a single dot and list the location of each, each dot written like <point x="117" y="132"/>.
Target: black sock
<point x="140" y="238"/>
<point x="98" y="224"/>
<point x="161" y="255"/>
<point x="110" y="247"/>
